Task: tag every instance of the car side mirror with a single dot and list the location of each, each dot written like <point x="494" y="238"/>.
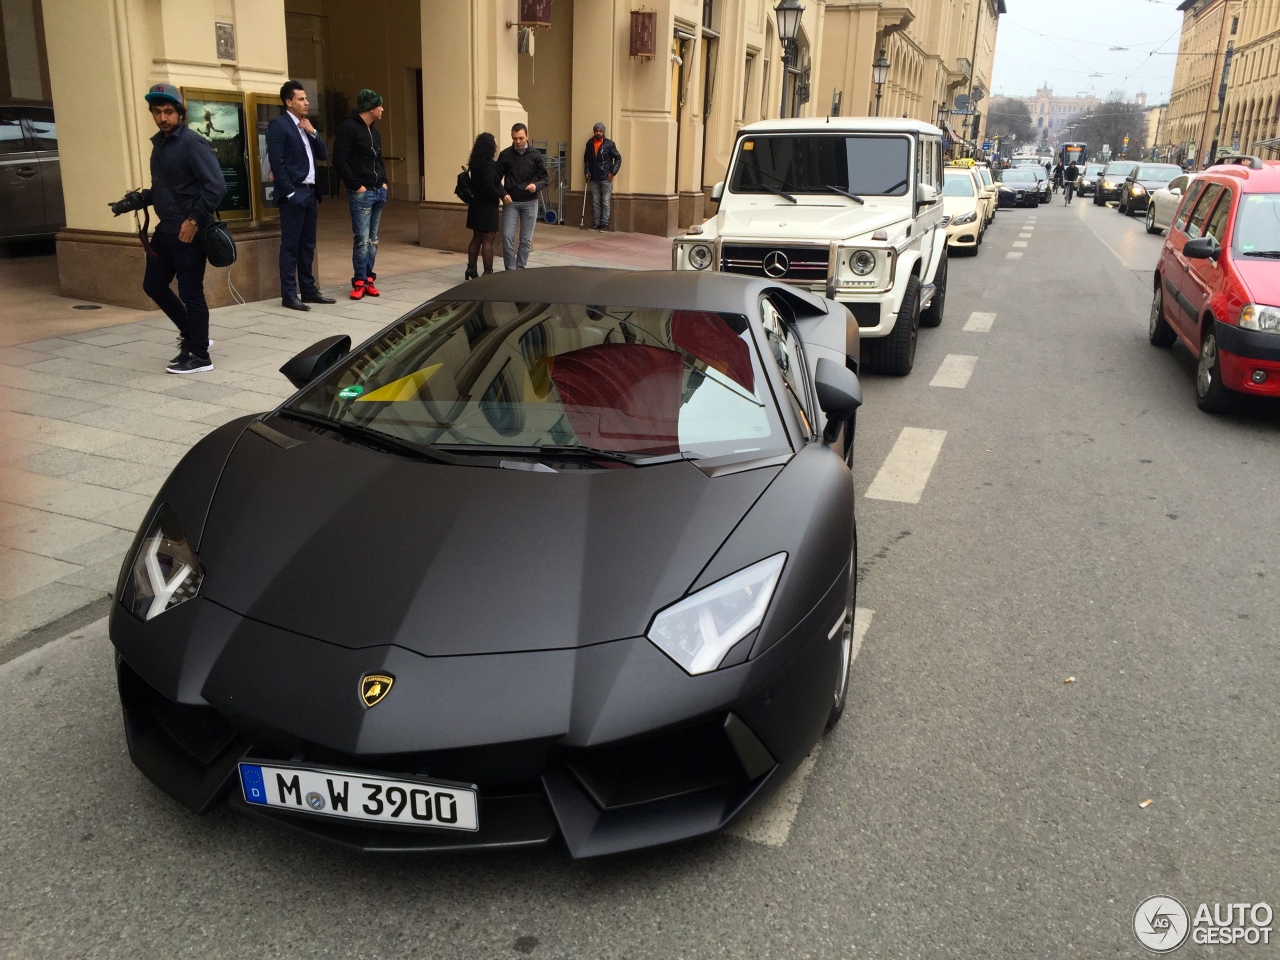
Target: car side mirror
<point x="1176" y="191"/>
<point x="839" y="395"/>
<point x="717" y="192"/>
<point x="1202" y="248"/>
<point x="316" y="359"/>
<point x="926" y="193"/>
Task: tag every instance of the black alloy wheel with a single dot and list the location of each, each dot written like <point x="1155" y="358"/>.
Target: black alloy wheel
<point x="1158" y="330"/>
<point x="931" y="316"/>
<point x="895" y="354"/>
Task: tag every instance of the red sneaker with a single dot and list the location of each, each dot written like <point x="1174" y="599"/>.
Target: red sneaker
<point x="358" y="289"/>
<point x="370" y="289"/>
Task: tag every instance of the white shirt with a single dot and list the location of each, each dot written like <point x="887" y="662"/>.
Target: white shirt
<point x="310" y="180"/>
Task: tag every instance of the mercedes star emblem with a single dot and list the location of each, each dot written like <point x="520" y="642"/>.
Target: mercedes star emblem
<point x="776" y="264"/>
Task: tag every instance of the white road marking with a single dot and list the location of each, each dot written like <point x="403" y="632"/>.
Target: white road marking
<point x="980" y="322"/>
<point x="955" y="371"/>
<point x="1013" y="255"/>
<point x="770" y="823"/>
<point x="1019" y="243"/>
<point x="1025" y="235"/>
<point x="906" y="470"/>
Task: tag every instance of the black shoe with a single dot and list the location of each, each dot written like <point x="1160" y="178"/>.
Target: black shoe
<point x="294" y="304"/>
<point x="190" y="363"/>
<point x="471" y="273"/>
<point x="317" y="297"/>
<point x="182" y="350"/>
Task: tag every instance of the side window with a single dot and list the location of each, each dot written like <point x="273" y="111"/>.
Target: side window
<point x="44" y="133"/>
<point x="11" y="138"/>
<point x="1195" y="226"/>
<point x="1217" y="223"/>
<point x="1188" y="202"/>
<point x="937" y="164"/>
<point x="1178" y="183"/>
<point x="785" y="349"/>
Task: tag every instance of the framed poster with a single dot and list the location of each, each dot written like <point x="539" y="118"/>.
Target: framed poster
<point x="263" y="108"/>
<point x="219" y="117"/>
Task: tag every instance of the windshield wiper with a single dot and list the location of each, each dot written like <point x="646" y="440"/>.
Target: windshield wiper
<point x="569" y="451"/>
<point x="845" y="193"/>
<point x="366" y="436"/>
<point x="773" y="176"/>
<point x="1272" y="254"/>
<point x="781" y="193"/>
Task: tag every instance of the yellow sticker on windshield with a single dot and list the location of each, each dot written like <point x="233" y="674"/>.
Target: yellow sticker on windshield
<point x="748" y="144"/>
<point x="406" y="388"/>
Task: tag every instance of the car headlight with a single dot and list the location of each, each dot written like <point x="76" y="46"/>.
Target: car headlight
<point x="1085" y="183"/>
<point x="862" y="262"/>
<point x="1107" y="184"/>
<point x="699" y="630"/>
<point x="1256" y="316"/>
<point x="699" y="256"/>
<point x="165" y="570"/>
<point x="965" y="218"/>
<point x="1137" y="189"/>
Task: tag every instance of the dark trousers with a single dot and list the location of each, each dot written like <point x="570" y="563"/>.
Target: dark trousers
<point x="298" y="243"/>
<point x="187" y="310"/>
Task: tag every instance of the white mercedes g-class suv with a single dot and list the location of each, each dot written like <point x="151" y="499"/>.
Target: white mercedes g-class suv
<point x="849" y="207"/>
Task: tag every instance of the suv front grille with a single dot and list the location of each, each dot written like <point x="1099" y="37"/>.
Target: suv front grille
<point x="803" y="264"/>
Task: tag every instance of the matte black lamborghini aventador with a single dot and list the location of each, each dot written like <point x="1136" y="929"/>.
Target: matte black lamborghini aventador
<point x="563" y="551"/>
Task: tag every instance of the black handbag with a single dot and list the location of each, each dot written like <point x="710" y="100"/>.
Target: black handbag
<point x="219" y="247"/>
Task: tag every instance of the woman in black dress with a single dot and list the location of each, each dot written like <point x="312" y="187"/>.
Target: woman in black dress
<point x="482" y="212"/>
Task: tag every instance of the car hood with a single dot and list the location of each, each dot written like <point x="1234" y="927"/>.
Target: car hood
<point x="1153" y="185"/>
<point x="1261" y="278"/>
<point x="821" y="220"/>
<point x="956" y="206"/>
<point x="359" y="548"/>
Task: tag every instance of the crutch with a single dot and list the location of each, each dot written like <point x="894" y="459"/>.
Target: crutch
<point x="582" y="222"/>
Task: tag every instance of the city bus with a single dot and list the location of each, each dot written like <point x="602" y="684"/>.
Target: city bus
<point x="1070" y="153"/>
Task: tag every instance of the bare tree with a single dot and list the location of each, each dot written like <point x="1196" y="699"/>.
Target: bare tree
<point x="1114" y="119"/>
<point x="1008" y="116"/>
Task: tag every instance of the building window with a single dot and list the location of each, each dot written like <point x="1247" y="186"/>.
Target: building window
<point x="708" y="12"/>
<point x="746" y="82"/>
<point x="1235" y="22"/>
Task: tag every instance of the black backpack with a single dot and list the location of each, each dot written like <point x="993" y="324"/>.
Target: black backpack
<point x="463" y="189"/>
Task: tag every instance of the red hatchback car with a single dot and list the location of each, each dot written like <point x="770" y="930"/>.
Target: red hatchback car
<point x="1217" y="285"/>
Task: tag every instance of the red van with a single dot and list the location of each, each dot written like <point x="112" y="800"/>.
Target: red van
<point x="1217" y="284"/>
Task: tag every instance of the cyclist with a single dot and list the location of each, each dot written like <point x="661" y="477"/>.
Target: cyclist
<point x="1057" y="176"/>
<point x="1070" y="175"/>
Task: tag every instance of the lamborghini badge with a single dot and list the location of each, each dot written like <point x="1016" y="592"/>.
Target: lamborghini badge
<point x="373" y="687"/>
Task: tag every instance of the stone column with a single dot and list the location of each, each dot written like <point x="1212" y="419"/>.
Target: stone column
<point x="102" y="58"/>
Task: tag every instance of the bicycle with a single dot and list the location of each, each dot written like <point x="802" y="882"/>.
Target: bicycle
<point x="1068" y="191"/>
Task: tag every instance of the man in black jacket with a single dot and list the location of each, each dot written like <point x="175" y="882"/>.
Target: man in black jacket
<point x="357" y="156"/>
<point x="186" y="187"/>
<point x="524" y="173"/>
<point x="602" y="161"/>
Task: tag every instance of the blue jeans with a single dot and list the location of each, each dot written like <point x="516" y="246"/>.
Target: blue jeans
<point x="521" y="216"/>
<point x="366" y="215"/>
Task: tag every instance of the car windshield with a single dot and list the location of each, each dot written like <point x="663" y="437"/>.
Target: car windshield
<point x="1018" y="176"/>
<point x="1092" y="169"/>
<point x="985" y="174"/>
<point x="1038" y="173"/>
<point x="1257" y="227"/>
<point x="866" y="166"/>
<point x="1118" y="171"/>
<point x="624" y="380"/>
<point x="1158" y="172"/>
<point x="957" y="185"/>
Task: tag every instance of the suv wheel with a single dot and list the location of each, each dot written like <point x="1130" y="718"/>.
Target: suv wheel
<point x="896" y="354"/>
<point x="1151" y="218"/>
<point x="1158" y="330"/>
<point x="1211" y="395"/>
<point x="932" y="315"/>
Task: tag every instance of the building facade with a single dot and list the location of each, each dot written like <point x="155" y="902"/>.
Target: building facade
<point x="673" y="82"/>
<point x="1251" y="112"/>
<point x="1210" y="30"/>
<point x="1051" y="115"/>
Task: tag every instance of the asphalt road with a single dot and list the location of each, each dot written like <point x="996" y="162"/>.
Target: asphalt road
<point x="1081" y="519"/>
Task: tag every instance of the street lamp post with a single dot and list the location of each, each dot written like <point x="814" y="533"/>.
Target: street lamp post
<point x="788" y="13"/>
<point x="879" y="74"/>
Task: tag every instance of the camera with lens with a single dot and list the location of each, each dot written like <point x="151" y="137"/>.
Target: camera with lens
<point x="133" y="200"/>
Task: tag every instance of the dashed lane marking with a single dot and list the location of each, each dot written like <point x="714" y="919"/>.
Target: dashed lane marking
<point x="1019" y="243"/>
<point x="1026" y="235"/>
<point x="771" y="822"/>
<point x="1013" y="255"/>
<point x="906" y="470"/>
<point x="955" y="371"/>
<point x="979" y="322"/>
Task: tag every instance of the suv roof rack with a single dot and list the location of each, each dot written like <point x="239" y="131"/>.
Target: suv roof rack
<point x="1239" y="159"/>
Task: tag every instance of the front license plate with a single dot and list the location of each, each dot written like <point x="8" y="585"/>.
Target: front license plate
<point x="353" y="796"/>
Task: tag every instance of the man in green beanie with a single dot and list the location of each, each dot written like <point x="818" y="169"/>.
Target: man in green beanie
<point x="357" y="156"/>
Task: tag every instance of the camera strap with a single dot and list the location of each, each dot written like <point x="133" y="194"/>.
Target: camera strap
<point x="143" y="229"/>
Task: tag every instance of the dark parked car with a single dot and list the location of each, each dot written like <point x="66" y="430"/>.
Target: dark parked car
<point x="1087" y="183"/>
<point x="1145" y="179"/>
<point x="561" y="552"/>
<point x="30" y="177"/>
<point x="1111" y="179"/>
<point x="1043" y="184"/>
<point x="1019" y="187"/>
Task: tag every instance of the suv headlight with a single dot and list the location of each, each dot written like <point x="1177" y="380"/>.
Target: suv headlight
<point x="862" y="262"/>
<point x="699" y="630"/>
<point x="699" y="256"/>
<point x="965" y="218"/>
<point x="1256" y="316"/>
<point x="165" y="571"/>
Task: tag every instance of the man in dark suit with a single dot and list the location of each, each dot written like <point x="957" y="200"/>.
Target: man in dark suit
<point x="293" y="147"/>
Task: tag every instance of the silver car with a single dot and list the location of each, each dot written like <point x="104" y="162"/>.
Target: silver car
<point x="30" y="177"/>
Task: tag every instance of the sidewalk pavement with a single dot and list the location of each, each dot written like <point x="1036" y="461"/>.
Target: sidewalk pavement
<point x="91" y="424"/>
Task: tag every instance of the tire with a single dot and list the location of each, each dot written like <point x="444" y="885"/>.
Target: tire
<point x="1151" y="219"/>
<point x="932" y="315"/>
<point x="895" y="354"/>
<point x="841" y="695"/>
<point x="1097" y="199"/>
<point x="1158" y="330"/>
<point x="1211" y="395"/>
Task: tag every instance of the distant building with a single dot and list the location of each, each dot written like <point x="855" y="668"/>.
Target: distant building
<point x="1051" y="116"/>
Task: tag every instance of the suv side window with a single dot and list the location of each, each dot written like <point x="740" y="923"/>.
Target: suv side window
<point x="784" y="346"/>
<point x="1201" y="213"/>
<point x="1217" y="222"/>
<point x="1188" y="201"/>
<point x="11" y="137"/>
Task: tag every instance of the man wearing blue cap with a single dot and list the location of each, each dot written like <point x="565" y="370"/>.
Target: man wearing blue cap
<point x="186" y="188"/>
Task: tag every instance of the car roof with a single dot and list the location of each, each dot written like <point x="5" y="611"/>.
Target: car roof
<point x="842" y="124"/>
<point x="1262" y="179"/>
<point x="670" y="289"/>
